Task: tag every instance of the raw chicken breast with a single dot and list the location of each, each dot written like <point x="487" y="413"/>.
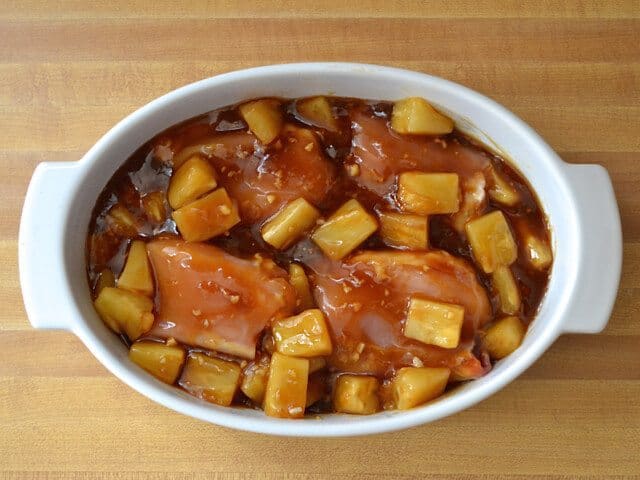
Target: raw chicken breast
<point x="365" y="300"/>
<point x="209" y="298"/>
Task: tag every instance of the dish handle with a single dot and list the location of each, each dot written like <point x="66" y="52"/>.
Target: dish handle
<point x="599" y="249"/>
<point x="41" y="245"/>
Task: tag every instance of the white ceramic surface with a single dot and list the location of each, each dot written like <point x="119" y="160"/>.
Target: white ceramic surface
<point x="578" y="200"/>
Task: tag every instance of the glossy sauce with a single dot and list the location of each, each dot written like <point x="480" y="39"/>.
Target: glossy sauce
<point x="364" y="307"/>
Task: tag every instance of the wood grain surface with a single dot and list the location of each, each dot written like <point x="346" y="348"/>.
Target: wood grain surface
<point x="70" y="69"/>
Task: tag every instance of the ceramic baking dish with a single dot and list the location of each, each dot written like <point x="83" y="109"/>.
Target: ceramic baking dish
<point x="578" y="200"/>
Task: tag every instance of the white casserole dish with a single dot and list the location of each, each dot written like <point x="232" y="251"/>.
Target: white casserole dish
<point x="578" y="199"/>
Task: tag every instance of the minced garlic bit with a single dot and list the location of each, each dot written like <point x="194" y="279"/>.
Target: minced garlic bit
<point x="309" y="146"/>
<point x="360" y="347"/>
<point x="295" y="410"/>
<point x="171" y="342"/>
<point x="353" y="170"/>
<point x="416" y="362"/>
<point x="224" y="209"/>
<point x="205" y="322"/>
<point x="441" y="142"/>
<point x="163" y="360"/>
<point x="271" y="198"/>
<point x="196" y="312"/>
<point x="234" y="298"/>
<point x="356" y="306"/>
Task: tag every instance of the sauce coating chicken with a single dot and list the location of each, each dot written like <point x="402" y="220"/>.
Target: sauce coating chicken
<point x="211" y="299"/>
<point x="365" y="300"/>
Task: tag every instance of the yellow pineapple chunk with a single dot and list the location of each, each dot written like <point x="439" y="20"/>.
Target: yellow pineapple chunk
<point x="501" y="190"/>
<point x="347" y="228"/>
<point x="136" y="275"/>
<point x="106" y="279"/>
<point x="125" y="311"/>
<point x="122" y="220"/>
<point x="491" y="241"/>
<point x="537" y="252"/>
<point x="316" y="364"/>
<point x="428" y="193"/>
<point x="154" y="206"/>
<point x="414" y="115"/>
<point x="414" y="386"/>
<point x="162" y="361"/>
<point x="263" y="118"/>
<point x="403" y="230"/>
<point x="207" y="217"/>
<point x="212" y="379"/>
<point x="505" y="285"/>
<point x="193" y="179"/>
<point x="304" y="335"/>
<point x="289" y="223"/>
<point x="286" y="395"/>
<point x="357" y="394"/>
<point x="318" y="111"/>
<point x="254" y="380"/>
<point x="434" y="323"/>
<point x="298" y="279"/>
<point x="504" y="336"/>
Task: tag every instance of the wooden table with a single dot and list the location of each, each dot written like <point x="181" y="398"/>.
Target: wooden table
<point x="68" y="73"/>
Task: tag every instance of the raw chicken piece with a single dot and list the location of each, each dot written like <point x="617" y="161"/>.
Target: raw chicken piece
<point x="382" y="153"/>
<point x="209" y="298"/>
<point x="263" y="181"/>
<point x="365" y="300"/>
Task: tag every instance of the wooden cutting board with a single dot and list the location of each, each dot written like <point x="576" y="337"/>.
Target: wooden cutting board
<point x="69" y="70"/>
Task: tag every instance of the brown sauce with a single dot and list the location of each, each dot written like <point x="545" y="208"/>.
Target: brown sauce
<point x="363" y="138"/>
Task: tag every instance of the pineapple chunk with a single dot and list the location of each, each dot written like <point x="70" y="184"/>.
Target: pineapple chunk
<point x="192" y="180"/>
<point x="434" y="323"/>
<point x="404" y="230"/>
<point x="416" y="116"/>
<point x="318" y="111"/>
<point x="136" y="275"/>
<point x="263" y="118"/>
<point x="501" y="190"/>
<point x="414" y="386"/>
<point x="286" y="394"/>
<point x="316" y="364"/>
<point x="212" y="379"/>
<point x="503" y="337"/>
<point x="315" y="390"/>
<point x="304" y="335"/>
<point x="299" y="281"/>
<point x="347" y="228"/>
<point x="106" y="279"/>
<point x="154" y="206"/>
<point x="357" y="394"/>
<point x="162" y="361"/>
<point x="505" y="285"/>
<point x="122" y="220"/>
<point x="537" y="252"/>
<point x="207" y="217"/>
<point x="125" y="311"/>
<point x="289" y="223"/>
<point x="428" y="193"/>
<point x="491" y="241"/>
<point x="254" y="380"/>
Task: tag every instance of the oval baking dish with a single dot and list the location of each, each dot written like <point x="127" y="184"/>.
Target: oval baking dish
<point x="577" y="199"/>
